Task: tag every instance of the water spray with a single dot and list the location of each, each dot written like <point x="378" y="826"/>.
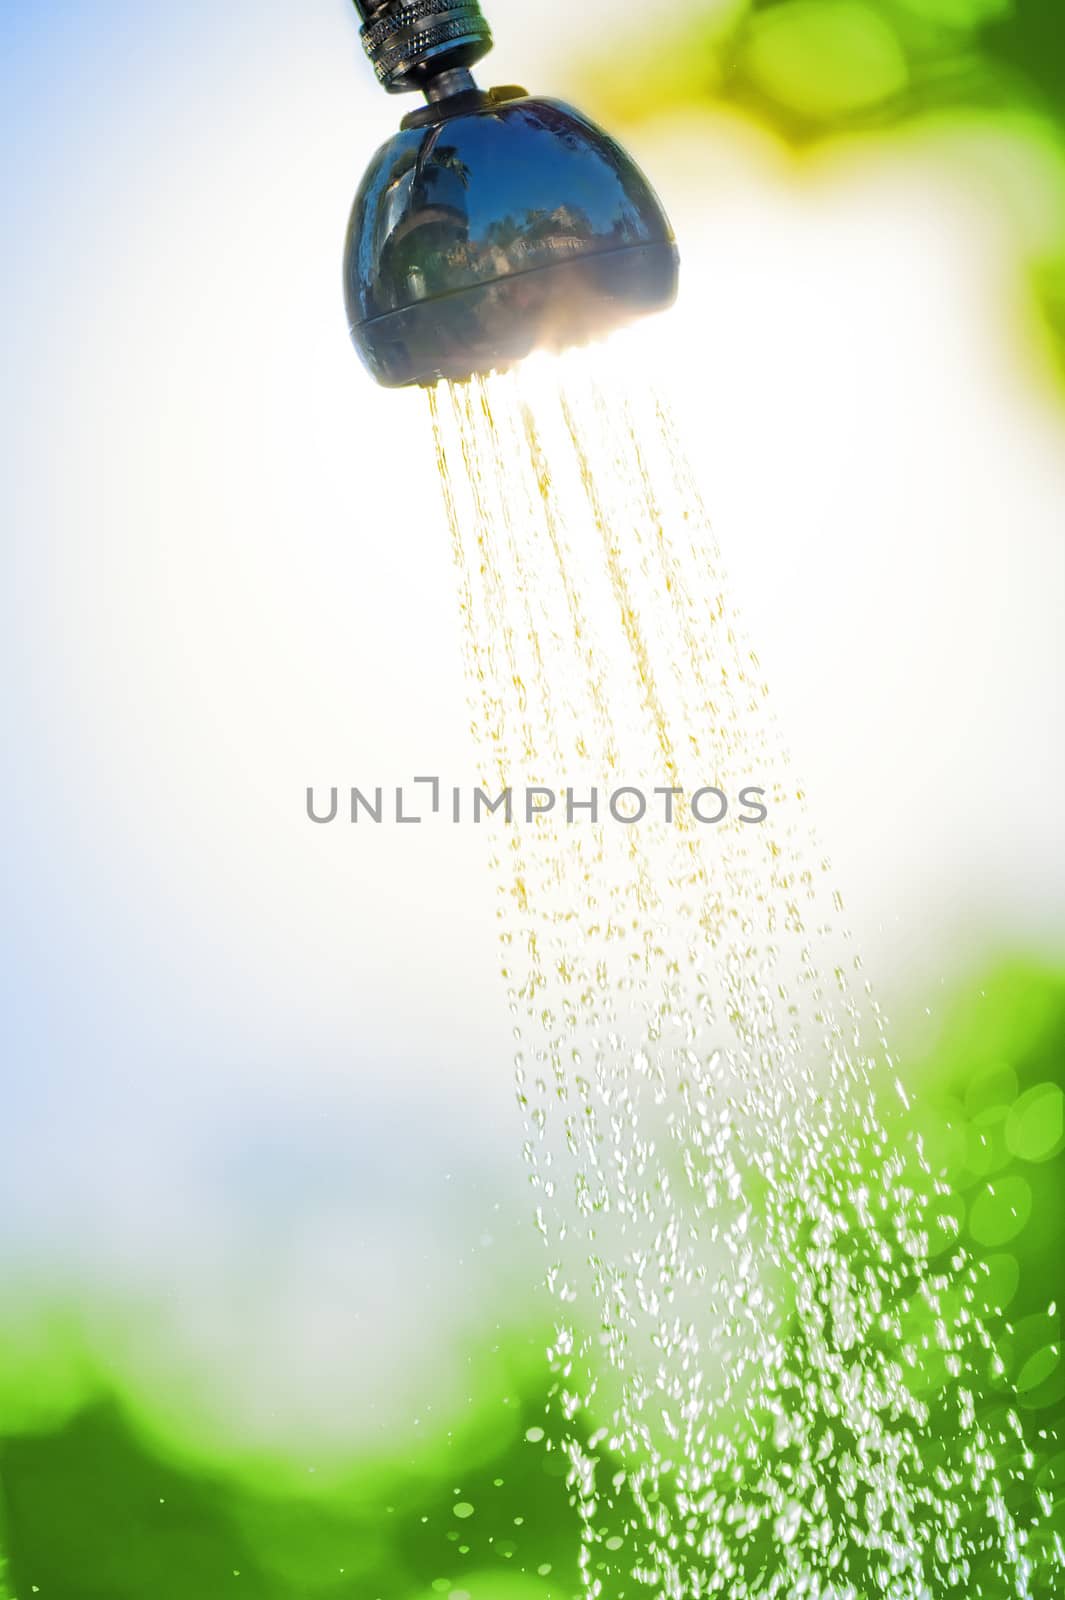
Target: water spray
<point x="493" y="223"/>
<point x="770" y="1365"/>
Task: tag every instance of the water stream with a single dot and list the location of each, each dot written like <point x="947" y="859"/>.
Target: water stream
<point x="762" y="1312"/>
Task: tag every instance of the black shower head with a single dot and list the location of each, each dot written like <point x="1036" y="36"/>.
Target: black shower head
<point x="492" y="224"/>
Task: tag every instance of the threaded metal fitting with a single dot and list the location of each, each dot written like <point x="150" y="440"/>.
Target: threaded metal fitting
<point x="411" y="42"/>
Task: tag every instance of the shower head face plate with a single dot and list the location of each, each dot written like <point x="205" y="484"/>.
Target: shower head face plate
<point x="489" y="228"/>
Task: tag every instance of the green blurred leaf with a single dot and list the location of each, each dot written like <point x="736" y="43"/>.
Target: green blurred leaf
<point x="825" y="58"/>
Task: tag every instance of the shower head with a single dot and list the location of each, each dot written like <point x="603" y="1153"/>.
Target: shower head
<point x="492" y="224"/>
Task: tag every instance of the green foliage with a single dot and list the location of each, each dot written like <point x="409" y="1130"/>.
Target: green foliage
<point x="992" y="1110"/>
<point x="98" y="1508"/>
<point x="816" y="70"/>
<point x="96" y="1513"/>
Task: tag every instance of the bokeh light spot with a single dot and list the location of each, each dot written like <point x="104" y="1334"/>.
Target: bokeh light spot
<point x="944" y="1138"/>
<point x="824" y="58"/>
<point x="1002" y="1280"/>
<point x="1000" y="1211"/>
<point x="1036" y="1124"/>
<point x="986" y="1150"/>
<point x="996" y="1088"/>
<point x="1037" y="1368"/>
